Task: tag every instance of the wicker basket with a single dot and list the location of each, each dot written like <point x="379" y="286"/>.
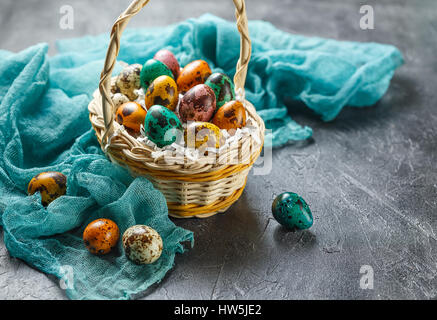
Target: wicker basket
<point x="199" y="188"/>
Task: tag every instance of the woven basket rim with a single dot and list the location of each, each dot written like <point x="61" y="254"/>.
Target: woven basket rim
<point x="127" y="143"/>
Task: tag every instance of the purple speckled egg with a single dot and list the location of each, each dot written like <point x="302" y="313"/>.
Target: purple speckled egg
<point x="198" y="104"/>
<point x="168" y="58"/>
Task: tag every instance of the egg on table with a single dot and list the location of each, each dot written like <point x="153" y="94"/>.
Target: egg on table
<point x="167" y="57"/>
<point x="200" y="134"/>
<point x="231" y="116"/>
<point x="131" y="115"/>
<point x="151" y="70"/>
<point x="129" y="80"/>
<point x="51" y="185"/>
<point x="198" y="104"/>
<point x="162" y="91"/>
<point x="142" y="244"/>
<point x="192" y="74"/>
<point x="100" y="236"/>
<point x="223" y="88"/>
<point x="162" y="126"/>
<point x="291" y="211"/>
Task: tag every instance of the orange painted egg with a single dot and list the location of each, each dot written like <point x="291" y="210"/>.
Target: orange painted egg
<point x="131" y="115"/>
<point x="164" y="92"/>
<point x="231" y="116"/>
<point x="194" y="73"/>
<point x="51" y="185"/>
<point x="100" y="236"/>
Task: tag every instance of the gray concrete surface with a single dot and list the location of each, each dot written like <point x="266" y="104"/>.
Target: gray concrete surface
<point x="369" y="176"/>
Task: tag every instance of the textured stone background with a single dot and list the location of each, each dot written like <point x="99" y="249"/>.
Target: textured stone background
<point x="369" y="176"/>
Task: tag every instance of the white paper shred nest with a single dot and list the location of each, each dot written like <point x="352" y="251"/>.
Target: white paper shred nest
<point x="178" y="150"/>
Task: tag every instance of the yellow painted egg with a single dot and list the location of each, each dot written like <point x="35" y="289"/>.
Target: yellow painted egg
<point x="200" y="134"/>
<point x="129" y="80"/>
<point x="51" y="185"/>
<point x="163" y="91"/>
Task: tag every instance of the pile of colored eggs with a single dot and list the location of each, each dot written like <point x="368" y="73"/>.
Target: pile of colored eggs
<point x="195" y="96"/>
<point x="142" y="244"/>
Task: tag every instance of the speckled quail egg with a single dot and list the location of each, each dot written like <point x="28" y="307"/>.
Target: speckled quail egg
<point x="129" y="80"/>
<point x="51" y="185"/>
<point x="118" y="99"/>
<point x="142" y="244"/>
<point x="100" y="236"/>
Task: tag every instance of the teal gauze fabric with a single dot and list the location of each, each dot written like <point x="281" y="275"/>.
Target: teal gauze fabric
<point x="44" y="126"/>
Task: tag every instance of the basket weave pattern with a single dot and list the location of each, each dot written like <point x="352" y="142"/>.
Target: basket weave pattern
<point x="199" y="188"/>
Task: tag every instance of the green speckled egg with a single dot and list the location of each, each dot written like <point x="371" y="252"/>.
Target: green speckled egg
<point x="151" y="70"/>
<point x="162" y="126"/>
<point x="223" y="88"/>
<point x="291" y="211"/>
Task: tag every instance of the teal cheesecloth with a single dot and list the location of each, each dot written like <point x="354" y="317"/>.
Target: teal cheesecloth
<point x="44" y="126"/>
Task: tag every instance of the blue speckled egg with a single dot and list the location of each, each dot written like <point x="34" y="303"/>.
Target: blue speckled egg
<point x="291" y="211"/>
<point x="162" y="126"/>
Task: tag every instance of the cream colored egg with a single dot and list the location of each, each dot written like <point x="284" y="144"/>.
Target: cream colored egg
<point x="114" y="88"/>
<point x="129" y="80"/>
<point x="142" y="244"/>
<point x="118" y="99"/>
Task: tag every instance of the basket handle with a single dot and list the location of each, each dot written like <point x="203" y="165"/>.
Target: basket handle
<point x="114" y="48"/>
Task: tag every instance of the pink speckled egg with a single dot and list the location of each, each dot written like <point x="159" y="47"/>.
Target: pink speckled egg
<point x="198" y="104"/>
<point x="167" y="57"/>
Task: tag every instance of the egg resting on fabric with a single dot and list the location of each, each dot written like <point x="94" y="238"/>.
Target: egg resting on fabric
<point x="100" y="236"/>
<point x="142" y="244"/>
<point x="51" y="186"/>
<point x="291" y="211"/>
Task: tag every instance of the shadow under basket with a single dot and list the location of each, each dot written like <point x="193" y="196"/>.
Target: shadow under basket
<point x="198" y="187"/>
